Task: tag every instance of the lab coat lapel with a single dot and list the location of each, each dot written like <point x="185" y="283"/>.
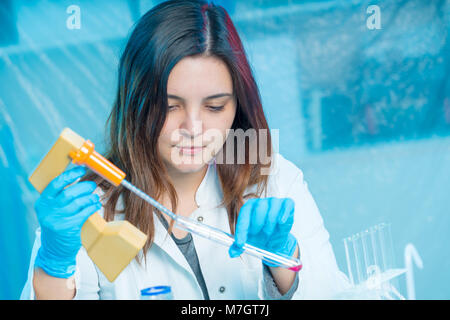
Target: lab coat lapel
<point x="209" y="193"/>
<point x="207" y="197"/>
<point x="163" y="240"/>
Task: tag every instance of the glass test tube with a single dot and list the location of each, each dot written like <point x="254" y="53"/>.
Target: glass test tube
<point x="347" y="247"/>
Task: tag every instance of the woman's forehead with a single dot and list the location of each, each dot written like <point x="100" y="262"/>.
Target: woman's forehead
<point x="199" y="77"/>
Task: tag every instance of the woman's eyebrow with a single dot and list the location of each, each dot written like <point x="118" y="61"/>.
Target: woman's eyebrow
<point x="219" y="95"/>
<point x="215" y="96"/>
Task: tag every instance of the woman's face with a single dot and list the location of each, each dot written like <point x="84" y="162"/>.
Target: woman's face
<point x="202" y="107"/>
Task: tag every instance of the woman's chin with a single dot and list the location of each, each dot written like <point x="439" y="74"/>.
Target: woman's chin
<point x="188" y="168"/>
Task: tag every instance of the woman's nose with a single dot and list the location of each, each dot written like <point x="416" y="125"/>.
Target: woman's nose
<point x="192" y="124"/>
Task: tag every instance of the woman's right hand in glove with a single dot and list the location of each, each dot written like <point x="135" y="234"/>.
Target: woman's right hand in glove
<point x="61" y="213"/>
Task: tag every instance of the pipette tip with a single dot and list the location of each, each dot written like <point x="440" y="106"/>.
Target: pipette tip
<point x="296" y="268"/>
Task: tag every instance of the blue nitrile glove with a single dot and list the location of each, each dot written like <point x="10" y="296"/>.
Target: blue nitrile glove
<point x="61" y="214"/>
<point x="265" y="223"/>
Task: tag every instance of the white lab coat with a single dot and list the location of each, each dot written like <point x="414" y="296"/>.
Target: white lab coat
<point x="226" y="278"/>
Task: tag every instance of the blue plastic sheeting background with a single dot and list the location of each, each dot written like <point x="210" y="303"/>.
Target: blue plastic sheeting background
<point x="365" y="113"/>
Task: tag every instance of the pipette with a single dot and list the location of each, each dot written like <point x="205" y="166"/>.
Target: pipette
<point x="215" y="234"/>
<point x="86" y="155"/>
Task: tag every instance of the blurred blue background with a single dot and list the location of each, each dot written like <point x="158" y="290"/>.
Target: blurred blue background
<point x="363" y="111"/>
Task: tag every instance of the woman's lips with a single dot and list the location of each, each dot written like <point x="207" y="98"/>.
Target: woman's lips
<point x="190" y="150"/>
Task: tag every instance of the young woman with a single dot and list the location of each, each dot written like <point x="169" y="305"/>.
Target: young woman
<point x="184" y="83"/>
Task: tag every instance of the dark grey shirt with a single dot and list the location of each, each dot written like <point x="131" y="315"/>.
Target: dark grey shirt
<point x="186" y="246"/>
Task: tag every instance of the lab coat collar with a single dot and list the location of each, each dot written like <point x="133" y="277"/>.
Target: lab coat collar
<point x="163" y="240"/>
<point x="207" y="197"/>
<point x="209" y="193"/>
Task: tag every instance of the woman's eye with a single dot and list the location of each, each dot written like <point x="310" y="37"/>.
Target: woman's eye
<point x="215" y="108"/>
<point x="172" y="107"/>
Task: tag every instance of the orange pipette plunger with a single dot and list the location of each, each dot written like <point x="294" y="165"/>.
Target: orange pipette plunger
<point x="86" y="155"/>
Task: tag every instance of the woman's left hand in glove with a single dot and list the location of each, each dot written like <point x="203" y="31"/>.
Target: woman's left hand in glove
<point x="265" y="223"/>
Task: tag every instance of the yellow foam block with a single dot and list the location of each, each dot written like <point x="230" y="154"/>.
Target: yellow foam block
<point x="117" y="243"/>
<point x="112" y="245"/>
<point x="56" y="160"/>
